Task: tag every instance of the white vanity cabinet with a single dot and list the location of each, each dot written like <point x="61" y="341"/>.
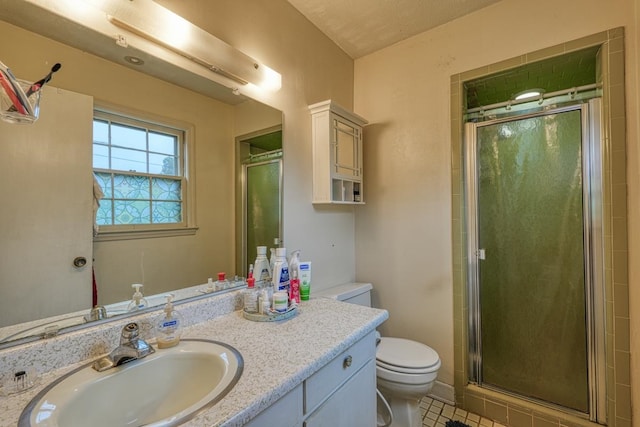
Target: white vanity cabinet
<point x="337" y="154"/>
<point x="342" y="393"/>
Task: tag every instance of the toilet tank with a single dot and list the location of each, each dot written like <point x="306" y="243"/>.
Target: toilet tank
<point x="353" y="293"/>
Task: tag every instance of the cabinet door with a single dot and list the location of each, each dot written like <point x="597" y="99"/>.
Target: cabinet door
<point x="286" y="412"/>
<point x="346" y="148"/>
<point x="353" y="404"/>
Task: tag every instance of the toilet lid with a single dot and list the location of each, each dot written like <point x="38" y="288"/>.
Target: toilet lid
<point x="405" y="353"/>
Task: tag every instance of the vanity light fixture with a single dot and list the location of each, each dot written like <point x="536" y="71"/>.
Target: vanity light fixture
<point x="152" y="22"/>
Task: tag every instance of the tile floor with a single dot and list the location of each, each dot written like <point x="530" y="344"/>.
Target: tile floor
<point x="436" y="414"/>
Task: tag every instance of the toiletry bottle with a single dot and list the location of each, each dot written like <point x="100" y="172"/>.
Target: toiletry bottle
<point x="264" y="302"/>
<point x="261" y="268"/>
<point x="170" y="326"/>
<point x="281" y="272"/>
<point x="250" y="296"/>
<point x="221" y="283"/>
<point x="138" y="302"/>
<point x="294" y="293"/>
<point x="272" y="261"/>
<point x="280" y="301"/>
<point x="294" y="262"/>
<point x="305" y="280"/>
<point x="210" y="288"/>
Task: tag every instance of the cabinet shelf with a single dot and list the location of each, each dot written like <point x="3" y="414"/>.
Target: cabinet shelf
<point x="337" y="154"/>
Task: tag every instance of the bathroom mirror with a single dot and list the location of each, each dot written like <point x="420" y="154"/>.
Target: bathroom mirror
<point x="33" y="284"/>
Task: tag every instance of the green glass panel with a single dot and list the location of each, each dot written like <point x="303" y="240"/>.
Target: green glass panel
<point x="166" y="189"/>
<point x="263" y="206"/>
<point x="131" y="212"/>
<point x="532" y="284"/>
<point x="131" y="187"/>
<point x="166" y="212"/>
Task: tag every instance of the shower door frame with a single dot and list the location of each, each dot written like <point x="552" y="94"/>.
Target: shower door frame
<point x="593" y="248"/>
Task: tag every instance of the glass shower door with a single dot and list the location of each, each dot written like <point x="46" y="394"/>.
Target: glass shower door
<point x="531" y="267"/>
<point x="264" y="201"/>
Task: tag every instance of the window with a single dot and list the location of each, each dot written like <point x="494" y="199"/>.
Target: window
<point x="140" y="167"/>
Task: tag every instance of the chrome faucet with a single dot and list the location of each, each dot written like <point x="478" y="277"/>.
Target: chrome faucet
<point x="131" y="348"/>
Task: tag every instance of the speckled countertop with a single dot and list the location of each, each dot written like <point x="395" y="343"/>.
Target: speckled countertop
<point x="277" y="356"/>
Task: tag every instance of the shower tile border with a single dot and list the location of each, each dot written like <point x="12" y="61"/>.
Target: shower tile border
<point x="488" y="403"/>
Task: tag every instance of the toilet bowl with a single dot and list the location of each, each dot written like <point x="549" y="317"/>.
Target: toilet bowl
<point x="405" y="370"/>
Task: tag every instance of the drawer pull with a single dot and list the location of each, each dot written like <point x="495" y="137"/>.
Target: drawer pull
<point x="347" y="362"/>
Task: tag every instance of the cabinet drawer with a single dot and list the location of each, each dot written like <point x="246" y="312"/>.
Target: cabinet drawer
<point x="324" y="382"/>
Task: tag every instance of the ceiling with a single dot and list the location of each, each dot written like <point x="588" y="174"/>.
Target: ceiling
<point x="361" y="27"/>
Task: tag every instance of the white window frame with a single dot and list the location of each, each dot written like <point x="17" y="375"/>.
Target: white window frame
<point x="143" y="231"/>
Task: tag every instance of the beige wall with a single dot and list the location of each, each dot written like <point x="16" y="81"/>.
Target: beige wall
<point x="313" y="69"/>
<point x="403" y="242"/>
<point x="633" y="193"/>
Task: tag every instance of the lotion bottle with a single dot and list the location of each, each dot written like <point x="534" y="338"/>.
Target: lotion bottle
<point x="261" y="268"/>
<point x="305" y="280"/>
<point x="169" y="326"/>
<point x="281" y="272"/>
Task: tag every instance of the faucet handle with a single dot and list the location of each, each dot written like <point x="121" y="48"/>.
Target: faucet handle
<point x="129" y="333"/>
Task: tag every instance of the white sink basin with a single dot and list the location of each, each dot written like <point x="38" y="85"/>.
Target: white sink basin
<point x="163" y="389"/>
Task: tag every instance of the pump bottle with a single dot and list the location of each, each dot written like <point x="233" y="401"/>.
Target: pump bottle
<point x="170" y="326"/>
<point x="138" y="302"/>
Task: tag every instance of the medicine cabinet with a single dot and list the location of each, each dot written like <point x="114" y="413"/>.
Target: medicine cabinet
<point x="337" y="154"/>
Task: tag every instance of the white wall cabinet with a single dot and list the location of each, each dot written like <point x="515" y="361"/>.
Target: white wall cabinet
<point x="343" y="392"/>
<point x="337" y="154"/>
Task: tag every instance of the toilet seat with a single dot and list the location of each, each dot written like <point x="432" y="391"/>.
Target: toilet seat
<point x="404" y="370"/>
<point x="406" y="356"/>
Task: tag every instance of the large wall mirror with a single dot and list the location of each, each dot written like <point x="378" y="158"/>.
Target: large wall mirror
<point x="47" y="216"/>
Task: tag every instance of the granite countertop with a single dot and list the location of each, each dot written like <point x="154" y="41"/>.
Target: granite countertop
<point x="277" y="356"/>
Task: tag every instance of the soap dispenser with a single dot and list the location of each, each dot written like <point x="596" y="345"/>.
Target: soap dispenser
<point x="138" y="302"/>
<point x="170" y="326"/>
<point x="294" y="263"/>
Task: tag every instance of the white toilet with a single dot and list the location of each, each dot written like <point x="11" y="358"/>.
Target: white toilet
<point x="406" y="370"/>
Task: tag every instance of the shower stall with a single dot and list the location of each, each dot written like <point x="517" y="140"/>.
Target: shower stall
<point x="535" y="251"/>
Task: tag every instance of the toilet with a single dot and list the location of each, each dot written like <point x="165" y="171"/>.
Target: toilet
<point x="406" y="370"/>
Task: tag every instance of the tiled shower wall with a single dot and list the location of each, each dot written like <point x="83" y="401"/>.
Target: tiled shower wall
<point x="506" y="409"/>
